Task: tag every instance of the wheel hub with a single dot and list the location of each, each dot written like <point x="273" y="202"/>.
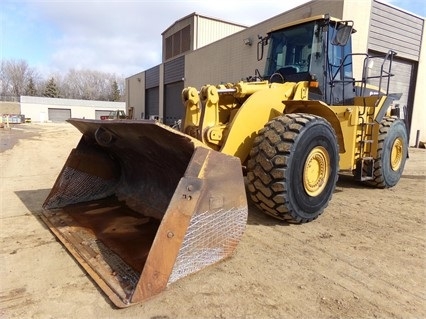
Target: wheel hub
<point x="316" y="171"/>
<point x="396" y="154"/>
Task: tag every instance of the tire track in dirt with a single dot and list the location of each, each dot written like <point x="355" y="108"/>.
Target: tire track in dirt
<point x="337" y="266"/>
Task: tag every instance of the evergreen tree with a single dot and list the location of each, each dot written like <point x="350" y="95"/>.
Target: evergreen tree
<point x="30" y="90"/>
<point x="115" y="92"/>
<point x="51" y="89"/>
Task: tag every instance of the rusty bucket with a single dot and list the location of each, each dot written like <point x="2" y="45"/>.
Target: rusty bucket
<point x="140" y="205"/>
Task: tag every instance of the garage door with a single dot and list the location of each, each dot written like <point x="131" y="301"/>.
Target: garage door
<point x="400" y="82"/>
<point x="59" y="115"/>
<point x="173" y="106"/>
<point x="152" y="102"/>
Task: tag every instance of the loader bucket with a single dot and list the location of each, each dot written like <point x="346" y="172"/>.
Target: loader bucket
<point x="140" y="205"/>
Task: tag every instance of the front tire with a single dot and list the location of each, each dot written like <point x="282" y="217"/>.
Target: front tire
<point x="293" y="166"/>
<point x="391" y="153"/>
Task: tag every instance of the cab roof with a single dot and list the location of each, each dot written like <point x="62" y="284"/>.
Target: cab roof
<point x="302" y="21"/>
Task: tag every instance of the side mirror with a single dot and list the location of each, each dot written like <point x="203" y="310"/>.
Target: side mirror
<point x="343" y="33"/>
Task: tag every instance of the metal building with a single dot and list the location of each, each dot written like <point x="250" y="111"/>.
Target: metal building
<point x="43" y="109"/>
<point x="155" y="93"/>
<point x="198" y="50"/>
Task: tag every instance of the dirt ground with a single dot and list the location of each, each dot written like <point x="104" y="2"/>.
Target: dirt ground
<point x="365" y="257"/>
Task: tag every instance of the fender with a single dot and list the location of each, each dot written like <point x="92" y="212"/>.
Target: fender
<point x="317" y="108"/>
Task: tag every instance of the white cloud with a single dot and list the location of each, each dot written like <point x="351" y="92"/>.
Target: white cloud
<point x="124" y="37"/>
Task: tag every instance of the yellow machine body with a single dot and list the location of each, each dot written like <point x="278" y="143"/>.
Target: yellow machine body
<point x="228" y="118"/>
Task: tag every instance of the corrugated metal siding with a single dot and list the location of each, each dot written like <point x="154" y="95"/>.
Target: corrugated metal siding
<point x="178" y="43"/>
<point x="152" y="77"/>
<point x="401" y="82"/>
<point x="174" y="70"/>
<point x="152" y="102"/>
<point x="211" y="30"/>
<point x="391" y="28"/>
<point x="173" y="107"/>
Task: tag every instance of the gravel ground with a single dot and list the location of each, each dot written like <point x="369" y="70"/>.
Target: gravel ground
<point x="363" y="258"/>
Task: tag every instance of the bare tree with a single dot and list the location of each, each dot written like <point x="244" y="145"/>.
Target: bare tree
<point x="14" y="77"/>
<point x="90" y="85"/>
<point x="4" y="80"/>
<point x="17" y="78"/>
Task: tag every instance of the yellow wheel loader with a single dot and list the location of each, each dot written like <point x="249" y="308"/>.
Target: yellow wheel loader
<point x="141" y="205"/>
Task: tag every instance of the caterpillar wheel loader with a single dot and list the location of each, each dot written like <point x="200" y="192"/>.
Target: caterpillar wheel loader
<point x="141" y="205"/>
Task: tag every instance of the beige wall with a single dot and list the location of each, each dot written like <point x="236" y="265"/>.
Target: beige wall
<point x="418" y="121"/>
<point x="135" y="94"/>
<point x="358" y="11"/>
<point x="211" y="30"/>
<point x="37" y="108"/>
<point x="230" y="60"/>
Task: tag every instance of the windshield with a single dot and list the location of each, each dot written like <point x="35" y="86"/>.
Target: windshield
<point x="290" y="50"/>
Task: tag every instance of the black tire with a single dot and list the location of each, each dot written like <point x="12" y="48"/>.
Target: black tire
<point x="278" y="180"/>
<point x="391" y="153"/>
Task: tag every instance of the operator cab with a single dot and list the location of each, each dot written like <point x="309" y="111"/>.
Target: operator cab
<point x="318" y="49"/>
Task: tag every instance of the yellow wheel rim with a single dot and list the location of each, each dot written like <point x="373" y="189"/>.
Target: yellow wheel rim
<point x="396" y="154"/>
<point x="316" y="171"/>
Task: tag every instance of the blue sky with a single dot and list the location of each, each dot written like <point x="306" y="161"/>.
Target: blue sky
<point x="122" y="37"/>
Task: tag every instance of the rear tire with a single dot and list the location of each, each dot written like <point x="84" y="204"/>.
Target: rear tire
<point x="293" y="166"/>
<point x="391" y="153"/>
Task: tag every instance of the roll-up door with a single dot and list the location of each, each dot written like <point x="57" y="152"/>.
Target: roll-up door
<point x="59" y="115"/>
<point x="173" y="109"/>
<point x="400" y="82"/>
<point x="174" y="72"/>
<point x="152" y="102"/>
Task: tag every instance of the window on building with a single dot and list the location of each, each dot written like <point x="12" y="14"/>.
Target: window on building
<point x="178" y="42"/>
<point x="169" y="46"/>
<point x="176" y="38"/>
<point x="186" y="39"/>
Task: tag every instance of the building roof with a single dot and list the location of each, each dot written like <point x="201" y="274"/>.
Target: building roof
<point x="194" y="14"/>
<point x="70" y="102"/>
